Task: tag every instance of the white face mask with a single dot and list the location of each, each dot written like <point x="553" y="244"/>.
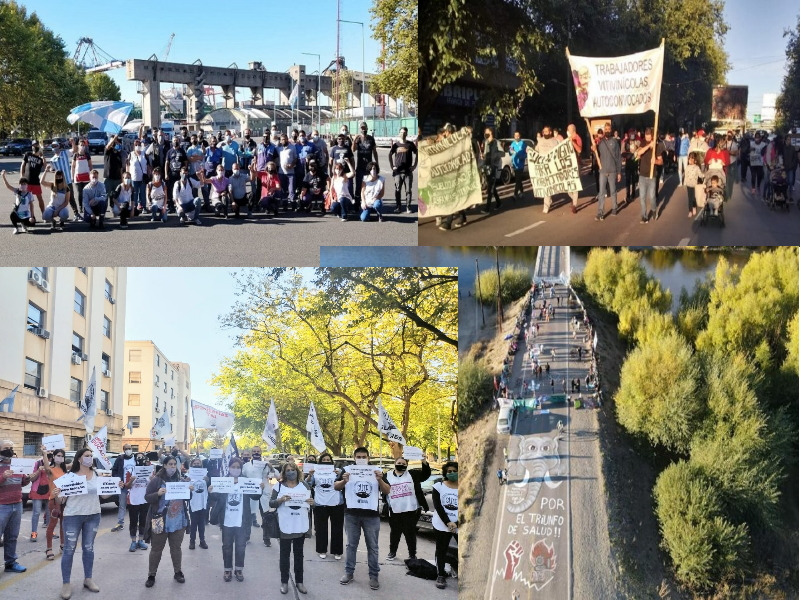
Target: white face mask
<point x="183" y="176"/>
<point x="94" y="180"/>
<point x="86" y="460"/>
<point x="361" y="461"/>
<point x="128" y="182"/>
<point x="170" y="471"/>
<point x="156" y="178"/>
<point x="128" y="452"/>
<point x="234" y="472"/>
<point x="236" y="172"/>
<point x="58" y="459"/>
<point x="374" y="173"/>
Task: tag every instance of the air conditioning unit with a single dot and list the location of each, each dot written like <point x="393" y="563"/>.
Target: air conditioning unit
<point x="85" y="357"/>
<point x="41" y="392"/>
<point x="109" y="411"/>
<point x="44" y="285"/>
<point x="107" y="373"/>
<point x="76" y="359"/>
<point x="41" y="333"/>
<point x="36" y="278"/>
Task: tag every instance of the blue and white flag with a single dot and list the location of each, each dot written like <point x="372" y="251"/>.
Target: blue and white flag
<point x="107" y="115"/>
<point x="387" y="427"/>
<point x="293" y="97"/>
<point x="88" y="405"/>
<point x="8" y="403"/>
<point x="162" y="427"/>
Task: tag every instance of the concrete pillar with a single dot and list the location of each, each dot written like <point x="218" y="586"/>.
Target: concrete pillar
<point x="151" y="115"/>
<point x="229" y="93"/>
<point x="284" y="94"/>
<point x="194" y="104"/>
<point x="258" y="95"/>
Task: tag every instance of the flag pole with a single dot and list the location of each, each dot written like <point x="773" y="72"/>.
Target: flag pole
<point x="655" y="138"/>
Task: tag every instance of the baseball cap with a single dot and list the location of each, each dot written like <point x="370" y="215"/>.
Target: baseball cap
<point x="701" y="132"/>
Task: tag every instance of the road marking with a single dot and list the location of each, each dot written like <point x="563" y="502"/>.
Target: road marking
<point x="524" y="229"/>
<point x="684" y="242"/>
<point x="498" y="534"/>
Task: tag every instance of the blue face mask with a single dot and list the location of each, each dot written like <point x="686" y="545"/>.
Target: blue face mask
<point x="117" y="147"/>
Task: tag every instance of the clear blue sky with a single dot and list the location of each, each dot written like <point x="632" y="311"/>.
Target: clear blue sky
<point x="177" y="308"/>
<point x="756" y="47"/>
<point x="218" y="33"/>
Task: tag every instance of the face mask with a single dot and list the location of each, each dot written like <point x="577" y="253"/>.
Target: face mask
<point x="128" y="182"/>
<point x="117" y="147"/>
<point x="58" y="459"/>
<point x="128" y="452"/>
<point x="256" y="456"/>
<point x="227" y="138"/>
<point x="140" y="461"/>
<point x="312" y="169"/>
<point x="24" y="189"/>
<point x="342" y="142"/>
<point x="344" y="132"/>
<point x="183" y="177"/>
<point x="453" y="476"/>
<point x="399" y="467"/>
<point x="361" y="461"/>
<point x="608" y="134"/>
<point x="161" y="138"/>
<point x="94" y="180"/>
<point x="234" y="472"/>
<point x="86" y="461"/>
<point x="285" y="143"/>
<point x="315" y="137"/>
<point x="220" y="173"/>
<point x="364" y="131"/>
<point x="60" y="180"/>
<point x="137" y="148"/>
<point x="302" y="139"/>
<point x="327" y="462"/>
<point x="236" y="172"/>
<point x="156" y="178"/>
<point x="373" y="172"/>
<point x="247" y="136"/>
<point x="291" y="474"/>
<point x="170" y="471"/>
<point x="7" y="452"/>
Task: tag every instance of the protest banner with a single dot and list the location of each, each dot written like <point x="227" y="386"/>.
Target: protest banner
<point x="98" y="446"/>
<point x="71" y="484"/>
<point x="215" y="453"/>
<point x="56" y="441"/>
<point x="206" y="416"/>
<point x="361" y="472"/>
<point x="197" y="473"/>
<point x="323" y="469"/>
<point x="224" y="485"/>
<point x="412" y="453"/>
<point x="554" y="172"/>
<point x="21" y="465"/>
<point x="108" y="486"/>
<point x="449" y="179"/>
<point x="618" y="85"/>
<point x="176" y="490"/>
<point x="249" y="486"/>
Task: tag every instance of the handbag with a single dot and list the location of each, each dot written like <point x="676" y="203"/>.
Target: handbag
<point x="270" y="521"/>
<point x="42" y="489"/>
<point x="157" y="525"/>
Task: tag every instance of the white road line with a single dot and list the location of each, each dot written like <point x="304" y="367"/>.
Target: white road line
<point x="684" y="242"/>
<point x="524" y="229"/>
<point x="498" y="533"/>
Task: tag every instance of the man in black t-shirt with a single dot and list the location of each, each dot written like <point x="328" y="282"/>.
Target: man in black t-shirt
<point x="175" y="159"/>
<point x="648" y="193"/>
<point x="403" y="159"/>
<point x="112" y="165"/>
<point x="365" y="148"/>
<point x="313" y="187"/>
<point x="31" y="168"/>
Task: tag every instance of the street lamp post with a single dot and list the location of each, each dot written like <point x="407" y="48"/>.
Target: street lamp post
<point x="317" y="96"/>
<point x="363" y="72"/>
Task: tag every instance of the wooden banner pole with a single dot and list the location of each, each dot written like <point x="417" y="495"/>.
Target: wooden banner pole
<point x="655" y="137"/>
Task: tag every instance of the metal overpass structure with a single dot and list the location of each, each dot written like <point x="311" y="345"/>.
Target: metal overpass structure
<point x="553" y="264"/>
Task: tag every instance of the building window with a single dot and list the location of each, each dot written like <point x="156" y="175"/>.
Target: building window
<point x="31" y="443"/>
<point x="82" y="270"/>
<point x="134" y="419"/>
<point x="109" y="290"/>
<point x="165" y="368"/>
<point x="105" y="362"/>
<point x="172" y="374"/>
<point x="36" y="317"/>
<point x="77" y="443"/>
<point x="172" y="410"/>
<point x="135" y="448"/>
<point x="165" y="386"/>
<point x="106" y="327"/>
<point x="75" y="390"/>
<point x="157" y="380"/>
<point x="133" y="400"/>
<point x="33" y="374"/>
<point x="104" y="400"/>
<point x="158" y="360"/>
<point x="80" y="303"/>
<point x="134" y="377"/>
<point x="134" y="354"/>
<point x="77" y="343"/>
<point x="172" y="393"/>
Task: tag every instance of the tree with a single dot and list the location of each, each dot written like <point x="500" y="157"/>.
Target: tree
<point x="787" y="110"/>
<point x="658" y="395"/>
<point x="396" y="29"/>
<point x="102" y="87"/>
<point x="475" y="389"/>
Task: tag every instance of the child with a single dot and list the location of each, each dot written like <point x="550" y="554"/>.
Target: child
<point x="22" y="214"/>
<point x="692" y="173"/>
<point x="715" y="194"/>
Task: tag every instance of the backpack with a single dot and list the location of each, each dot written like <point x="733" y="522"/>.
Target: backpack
<point x="421" y="569"/>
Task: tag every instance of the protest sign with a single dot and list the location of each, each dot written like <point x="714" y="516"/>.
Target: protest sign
<point x="361" y="472"/>
<point x="554" y="172"/>
<point x="197" y="473"/>
<point x="108" y="486"/>
<point x="449" y="179"/>
<point x="224" y="485"/>
<point x="21" y="465"/>
<point x="618" y="85"/>
<point x="143" y="471"/>
<point x="98" y="446"/>
<point x="307" y="467"/>
<point x="71" y="484"/>
<point x="298" y="495"/>
<point x="169" y="442"/>
<point x="141" y="474"/>
<point x="259" y="465"/>
<point x="215" y="453"/>
<point x="249" y="486"/>
<point x="412" y="453"/>
<point x="176" y="490"/>
<point x="323" y="469"/>
<point x="56" y="441"/>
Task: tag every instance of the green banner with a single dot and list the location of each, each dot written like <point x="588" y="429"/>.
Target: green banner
<point x="449" y="180"/>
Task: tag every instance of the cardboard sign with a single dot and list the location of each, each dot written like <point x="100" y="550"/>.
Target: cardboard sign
<point x="554" y="171"/>
<point x="223" y="485"/>
<point x="215" y="454"/>
<point x="21" y="465"/>
<point x="169" y="442"/>
<point x="412" y="453"/>
<point x="197" y="473"/>
<point x="56" y="441"/>
<point x="324" y="469"/>
<point x="108" y="486"/>
<point x="177" y="490"/>
<point x="361" y="472"/>
<point x="249" y="486"/>
<point x="71" y="484"/>
<point x="141" y="474"/>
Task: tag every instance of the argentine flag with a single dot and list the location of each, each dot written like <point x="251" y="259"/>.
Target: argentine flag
<point x="107" y="115"/>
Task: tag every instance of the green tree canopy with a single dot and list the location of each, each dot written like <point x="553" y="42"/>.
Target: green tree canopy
<point x="396" y="29"/>
<point x="787" y="109"/>
<point x="102" y="87"/>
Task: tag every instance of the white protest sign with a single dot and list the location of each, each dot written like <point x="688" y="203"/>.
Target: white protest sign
<point x="324" y="469"/>
<point x="249" y="486"/>
<point x="177" y="490"/>
<point x="223" y="485"/>
<point x="143" y="471"/>
<point x="361" y="472"/>
<point x="169" y="442"/>
<point x="298" y="495"/>
<point x="56" y="441"/>
<point x="141" y="474"/>
<point x="108" y="486"/>
<point x="307" y="467"/>
<point x="197" y="473"/>
<point x="21" y="465"/>
<point x="103" y="473"/>
<point x="259" y="465"/>
<point x="71" y="484"/>
<point x="554" y="171"/>
<point x="412" y="453"/>
<point x="215" y="454"/>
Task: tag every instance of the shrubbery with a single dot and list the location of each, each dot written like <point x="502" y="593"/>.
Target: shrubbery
<point x="474" y="389"/>
<point x="515" y="282"/>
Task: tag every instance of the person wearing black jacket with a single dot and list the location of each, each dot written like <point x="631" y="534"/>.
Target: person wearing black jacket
<point x="445" y="496"/>
<point x="405" y="502"/>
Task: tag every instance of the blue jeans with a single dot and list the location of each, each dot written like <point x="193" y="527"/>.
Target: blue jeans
<point x="86" y="526"/>
<point x="10" y="520"/>
<point x="647" y="195"/>
<point x="791" y="178"/>
<point x="121" y="511"/>
<point x="376" y="207"/>
<point x="236" y="536"/>
<point x="50" y="214"/>
<point x="341" y="206"/>
<point x="188" y="207"/>
<point x="605" y="178"/>
<point x="138" y="195"/>
<point x="155" y="212"/>
<point x="354" y="524"/>
<point x="288" y="185"/>
<point x="39" y="506"/>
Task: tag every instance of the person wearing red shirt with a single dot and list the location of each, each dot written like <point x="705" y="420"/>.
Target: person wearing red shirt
<point x="11" y="485"/>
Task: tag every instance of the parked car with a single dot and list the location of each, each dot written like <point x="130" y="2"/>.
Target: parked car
<point x="505" y="417"/>
<point x="16" y="147"/>
<point x="97" y="141"/>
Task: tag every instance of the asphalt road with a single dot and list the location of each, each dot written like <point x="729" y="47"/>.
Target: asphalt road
<point x="288" y="240"/>
<point x="121" y="574"/>
<point x="748" y="221"/>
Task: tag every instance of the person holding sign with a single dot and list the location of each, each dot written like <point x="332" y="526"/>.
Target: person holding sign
<point x="446" y="515"/>
<point x="263" y="470"/>
<point x="362" y="484"/>
<point x="231" y="511"/>
<point x="81" y="517"/>
<point x="292" y="500"/>
<point x="11" y="484"/>
<point x="405" y="501"/>
<point x="167" y="520"/>
<point x="198" y="503"/>
<point x="54" y="471"/>
<point x="609" y="169"/>
<point x="648" y="182"/>
<point x="134" y="488"/>
<point x="40" y="492"/>
<point x="122" y="469"/>
<point x="328" y="506"/>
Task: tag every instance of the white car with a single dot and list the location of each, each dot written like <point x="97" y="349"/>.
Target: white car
<point x="505" y="417"/>
<point x="507" y="170"/>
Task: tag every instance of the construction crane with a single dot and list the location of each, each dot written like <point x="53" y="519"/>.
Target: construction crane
<point x="98" y="59"/>
<point x="168" y="48"/>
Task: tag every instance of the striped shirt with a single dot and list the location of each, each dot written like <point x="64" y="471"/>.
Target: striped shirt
<point x="62" y="162"/>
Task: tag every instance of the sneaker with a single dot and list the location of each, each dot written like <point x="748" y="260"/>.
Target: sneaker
<point x="179" y="576"/>
<point x="485" y="211"/>
<point x="337" y="557"/>
<point x="573" y="210"/>
<point x="391" y="556"/>
<point x="239" y="575"/>
<point x="141" y="544"/>
<point x="76" y="219"/>
<point x="284" y="588"/>
<point x="191" y="545"/>
<point x="444" y="227"/>
<point x="398" y="210"/>
<point x="267" y="543"/>
<point x="16" y="230"/>
<point x="343" y="218"/>
<point x="18" y="569"/>
<point x="197" y="221"/>
<point x="301" y="588"/>
<point x="346" y="578"/>
<point x="545" y="210"/>
<point x="151" y="580"/>
<point x="23" y="228"/>
<point x="33" y="536"/>
<point x="323" y="555"/>
<point x="152" y="219"/>
<point x="440" y="581"/>
<point x="203" y="545"/>
<point x="132" y="548"/>
<point x="599" y="218"/>
<point x="408" y="209"/>
<point x="374" y="583"/>
<point x="460" y="223"/>
<point x="53" y="226"/>
<point x="643" y="221"/>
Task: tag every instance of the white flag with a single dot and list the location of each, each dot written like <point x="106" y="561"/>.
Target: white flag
<point x="387" y="427"/>
<point x="8" y="403"/>
<point x="595" y="341"/>
<point x="98" y="446"/>
<point x="270" y="434"/>
<point x="206" y="416"/>
<point x="314" y="430"/>
<point x="88" y="405"/>
<point x="162" y="427"/>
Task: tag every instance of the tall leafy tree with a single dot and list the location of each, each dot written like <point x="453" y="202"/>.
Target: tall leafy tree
<point x="102" y="87"/>
<point x="396" y="29"/>
<point x="787" y="109"/>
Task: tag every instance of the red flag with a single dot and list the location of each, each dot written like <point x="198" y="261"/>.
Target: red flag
<point x="495" y="382"/>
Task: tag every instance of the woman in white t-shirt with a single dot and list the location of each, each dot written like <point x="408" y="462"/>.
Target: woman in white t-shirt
<point x="198" y="507"/>
<point x="292" y="500"/>
<point x="81" y="517"/>
<point x="341" y="200"/>
<point x="372" y="192"/>
<point x="329" y="506"/>
<point x="445" y="520"/>
<point x="58" y="210"/>
<point x="157" y="195"/>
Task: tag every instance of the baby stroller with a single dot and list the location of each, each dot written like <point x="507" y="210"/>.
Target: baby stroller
<point x="711" y="198"/>
<point x="777" y="188"/>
